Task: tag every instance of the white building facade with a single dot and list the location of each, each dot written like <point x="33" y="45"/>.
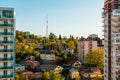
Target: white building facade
<point x="111" y="16"/>
<point x="7" y="43"/>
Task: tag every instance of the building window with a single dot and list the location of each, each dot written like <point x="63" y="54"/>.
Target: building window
<point x="5" y="55"/>
<point x="5" y="47"/>
<point x="5" y="72"/>
<point x="5" y="38"/>
<point x="5" y="64"/>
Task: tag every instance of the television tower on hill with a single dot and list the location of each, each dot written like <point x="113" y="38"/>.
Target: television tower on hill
<point x="46" y="26"/>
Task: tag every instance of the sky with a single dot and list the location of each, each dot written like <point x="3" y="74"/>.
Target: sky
<point x="65" y="17"/>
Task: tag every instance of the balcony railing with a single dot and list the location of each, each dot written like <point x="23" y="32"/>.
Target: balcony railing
<point x="6" y="67"/>
<point x="8" y="25"/>
<point x="6" y="33"/>
<point x="2" y="42"/>
<point x="118" y="54"/>
<point x="2" y="59"/>
<point x="6" y="76"/>
<point x="6" y="50"/>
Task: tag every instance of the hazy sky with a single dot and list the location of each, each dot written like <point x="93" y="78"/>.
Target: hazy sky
<point x="65" y="17"/>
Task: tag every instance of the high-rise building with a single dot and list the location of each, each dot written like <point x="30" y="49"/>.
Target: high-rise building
<point x="85" y="47"/>
<point x="7" y="43"/>
<point x="111" y="16"/>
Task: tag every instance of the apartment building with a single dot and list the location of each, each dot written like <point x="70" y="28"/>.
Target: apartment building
<point x="111" y="20"/>
<point x="7" y="43"/>
<point x="84" y="47"/>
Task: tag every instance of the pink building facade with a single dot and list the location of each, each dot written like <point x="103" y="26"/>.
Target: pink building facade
<point x="84" y="47"/>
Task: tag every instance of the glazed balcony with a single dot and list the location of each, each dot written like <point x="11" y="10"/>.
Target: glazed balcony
<point x="7" y="42"/>
<point x="116" y="42"/>
<point x="3" y="59"/>
<point x="116" y="25"/>
<point x="116" y="19"/>
<point x="6" y="76"/>
<point x="6" y="67"/>
<point x="7" y="25"/>
<point x="116" y="35"/>
<point x="118" y="54"/>
<point x="118" y="66"/>
<point x="6" y="50"/>
<point x="6" y="33"/>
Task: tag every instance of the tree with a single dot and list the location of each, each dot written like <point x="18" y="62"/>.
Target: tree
<point x="52" y="37"/>
<point x="46" y="76"/>
<point x="51" y="76"/>
<point x="21" y="76"/>
<point x="95" y="59"/>
<point x="36" y="54"/>
<point x="98" y="78"/>
<point x="20" y="38"/>
<point x="71" y="45"/>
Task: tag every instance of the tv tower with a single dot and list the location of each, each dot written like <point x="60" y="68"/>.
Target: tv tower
<point x="46" y="26"/>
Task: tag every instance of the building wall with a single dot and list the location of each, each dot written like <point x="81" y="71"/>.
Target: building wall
<point x="7" y="43"/>
<point x="111" y="15"/>
<point x="85" y="47"/>
<point x="47" y="56"/>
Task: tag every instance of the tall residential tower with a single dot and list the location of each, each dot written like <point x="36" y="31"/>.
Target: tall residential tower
<point x="111" y="30"/>
<point x="7" y="43"/>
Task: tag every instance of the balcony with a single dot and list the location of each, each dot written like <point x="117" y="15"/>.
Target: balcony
<point x="6" y="76"/>
<point x="6" y="50"/>
<point x="7" y="25"/>
<point x="6" y="33"/>
<point x="116" y="25"/>
<point x="118" y="54"/>
<point x="116" y="35"/>
<point x="118" y="66"/>
<point x="3" y="59"/>
<point x="116" y="12"/>
<point x="6" y="67"/>
<point x="116" y="19"/>
<point x="116" y="42"/>
<point x="8" y="42"/>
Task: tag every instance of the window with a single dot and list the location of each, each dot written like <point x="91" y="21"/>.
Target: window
<point x="5" y="38"/>
<point x="5" y="30"/>
<point x="5" y="47"/>
<point x="5" y="55"/>
<point x="5" y="72"/>
<point x="5" y="64"/>
<point x="7" y="13"/>
<point x="118" y="1"/>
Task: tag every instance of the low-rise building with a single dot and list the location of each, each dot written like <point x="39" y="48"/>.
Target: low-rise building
<point x="74" y="63"/>
<point x="92" y="73"/>
<point x="30" y="64"/>
<point x="49" y="67"/>
<point x="19" y="68"/>
<point x="33" y="76"/>
<point x="73" y="73"/>
<point x="47" y="56"/>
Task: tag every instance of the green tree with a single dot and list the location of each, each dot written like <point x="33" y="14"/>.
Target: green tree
<point x="52" y="37"/>
<point x="46" y="76"/>
<point x="95" y="59"/>
<point x="29" y="50"/>
<point x="71" y="45"/>
<point x="36" y="54"/>
<point x="98" y="78"/>
<point x="20" y="38"/>
<point x="21" y="76"/>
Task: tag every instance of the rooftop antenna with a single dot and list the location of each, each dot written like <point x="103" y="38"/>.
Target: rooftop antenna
<point x="46" y="26"/>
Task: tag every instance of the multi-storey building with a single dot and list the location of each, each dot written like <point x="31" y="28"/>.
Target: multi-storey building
<point x="111" y="26"/>
<point x="7" y="43"/>
<point x="84" y="47"/>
